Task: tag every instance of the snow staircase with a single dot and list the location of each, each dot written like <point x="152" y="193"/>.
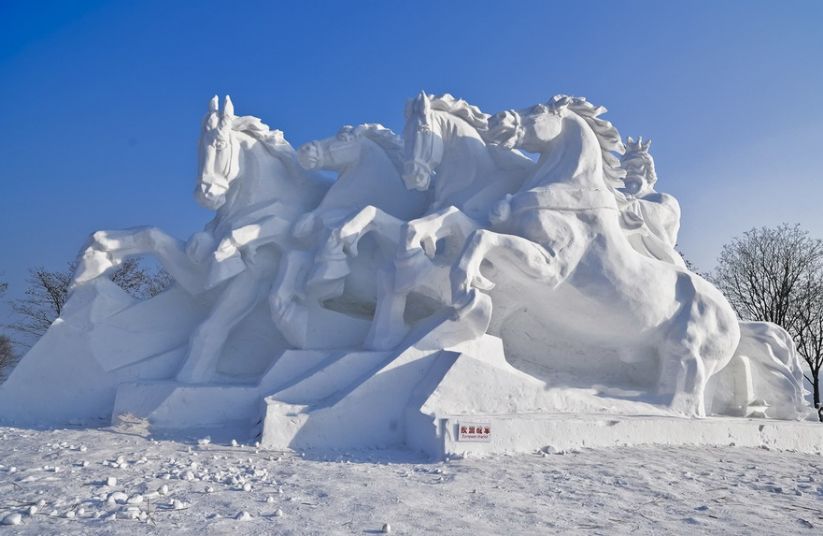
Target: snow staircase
<point x="358" y="399"/>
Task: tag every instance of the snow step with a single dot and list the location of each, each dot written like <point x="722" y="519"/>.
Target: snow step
<point x="332" y="377"/>
<point x="293" y="366"/>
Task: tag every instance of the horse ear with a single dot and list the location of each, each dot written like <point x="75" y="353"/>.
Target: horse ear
<point x="648" y="143"/>
<point x="629" y="140"/>
<point x="213" y="104"/>
<point x="228" y="107"/>
<point x="425" y="103"/>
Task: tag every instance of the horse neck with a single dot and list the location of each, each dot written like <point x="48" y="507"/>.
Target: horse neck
<point x="574" y="158"/>
<point x="466" y="166"/>
<point x="262" y="179"/>
<point x="372" y="171"/>
<point x="372" y="162"/>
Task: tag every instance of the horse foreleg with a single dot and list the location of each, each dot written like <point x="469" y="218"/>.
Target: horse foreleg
<point x="515" y="252"/>
<point x="234" y="304"/>
<point x="108" y="249"/>
<point x="426" y="231"/>
<point x="369" y="219"/>
<point x="332" y="260"/>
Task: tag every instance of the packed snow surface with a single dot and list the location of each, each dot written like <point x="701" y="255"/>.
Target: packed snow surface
<point x="118" y="481"/>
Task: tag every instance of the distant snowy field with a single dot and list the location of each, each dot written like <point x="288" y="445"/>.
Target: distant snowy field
<point x="117" y="481"/>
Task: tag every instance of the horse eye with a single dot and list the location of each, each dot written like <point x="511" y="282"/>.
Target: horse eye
<point x="220" y="144"/>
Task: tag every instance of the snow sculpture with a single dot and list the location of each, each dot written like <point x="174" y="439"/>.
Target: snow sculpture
<point x="440" y="278"/>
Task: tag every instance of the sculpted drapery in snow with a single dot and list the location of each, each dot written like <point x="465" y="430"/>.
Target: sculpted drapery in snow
<point x="569" y="259"/>
<point x="652" y="218"/>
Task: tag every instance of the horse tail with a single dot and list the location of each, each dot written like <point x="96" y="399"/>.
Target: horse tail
<point x="776" y="375"/>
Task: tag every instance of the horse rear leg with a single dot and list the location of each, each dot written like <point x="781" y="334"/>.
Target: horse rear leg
<point x="388" y="327"/>
<point x="205" y="347"/>
<point x="683" y="377"/>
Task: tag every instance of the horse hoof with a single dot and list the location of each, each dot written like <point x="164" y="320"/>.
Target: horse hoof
<point x="482" y="283"/>
<point x="429" y="247"/>
<point x="463" y="304"/>
<point x="350" y="245"/>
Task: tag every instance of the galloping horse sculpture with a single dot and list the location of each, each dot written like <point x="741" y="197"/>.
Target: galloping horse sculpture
<point x="564" y="235"/>
<point x="454" y="232"/>
<point x="368" y="161"/>
<point x="249" y="176"/>
<point x="443" y="137"/>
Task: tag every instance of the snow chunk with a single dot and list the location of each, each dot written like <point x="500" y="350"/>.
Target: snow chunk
<point x="13" y="519"/>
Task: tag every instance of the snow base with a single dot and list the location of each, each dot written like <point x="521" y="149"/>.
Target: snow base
<point x="558" y="433"/>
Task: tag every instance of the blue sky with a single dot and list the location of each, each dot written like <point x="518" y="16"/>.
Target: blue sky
<point x="102" y="101"/>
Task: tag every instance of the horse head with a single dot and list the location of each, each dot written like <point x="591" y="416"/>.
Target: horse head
<point x="218" y="155"/>
<point x="546" y="128"/>
<point x="531" y="129"/>
<point x="345" y="149"/>
<point x="423" y="146"/>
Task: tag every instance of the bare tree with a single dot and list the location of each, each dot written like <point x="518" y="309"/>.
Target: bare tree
<point x="48" y="291"/>
<point x="808" y="334"/>
<point x="7" y="354"/>
<point x="776" y="274"/>
<point x="762" y="273"/>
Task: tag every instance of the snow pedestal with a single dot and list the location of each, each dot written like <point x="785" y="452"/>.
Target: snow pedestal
<point x="440" y="402"/>
<point x="558" y="433"/>
<point x="72" y="374"/>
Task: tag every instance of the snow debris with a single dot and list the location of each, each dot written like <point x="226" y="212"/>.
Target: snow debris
<point x="243" y="516"/>
<point x="13" y="519"/>
<point x="386" y="529"/>
<point x="560" y="492"/>
<point x="234" y="443"/>
<point x="111" y="481"/>
<point x="117" y="497"/>
<point x="132" y="512"/>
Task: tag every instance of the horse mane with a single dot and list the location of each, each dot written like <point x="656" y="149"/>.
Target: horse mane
<point x="607" y="135"/>
<point x="462" y="109"/>
<point x="386" y="139"/>
<point x="272" y="140"/>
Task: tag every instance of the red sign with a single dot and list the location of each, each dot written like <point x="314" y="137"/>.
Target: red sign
<point x="474" y="431"/>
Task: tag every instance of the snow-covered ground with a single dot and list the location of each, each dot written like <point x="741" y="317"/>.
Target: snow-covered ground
<point x="118" y="481"/>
